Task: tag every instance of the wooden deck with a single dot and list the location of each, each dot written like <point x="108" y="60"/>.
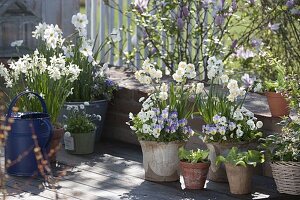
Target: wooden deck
<point x="115" y="171"/>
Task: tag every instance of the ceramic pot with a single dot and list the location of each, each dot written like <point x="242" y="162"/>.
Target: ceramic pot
<point x="160" y="160"/>
<point x="83" y="143"/>
<point x="55" y="143"/>
<point x="194" y="174"/>
<point x="278" y="105"/>
<point x="217" y="173"/>
<point x="94" y="107"/>
<point x="239" y="178"/>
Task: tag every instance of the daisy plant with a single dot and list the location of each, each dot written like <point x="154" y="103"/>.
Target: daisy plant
<point x="221" y="107"/>
<point x="165" y="113"/>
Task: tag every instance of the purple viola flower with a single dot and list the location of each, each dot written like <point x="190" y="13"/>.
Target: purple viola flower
<point x="185" y="130"/>
<point x="109" y="83"/>
<point x="167" y="129"/>
<point x="173" y="129"/>
<point x="180" y="23"/>
<point x="169" y="122"/>
<point x="290" y="4"/>
<point x="182" y="122"/>
<point x="185" y="11"/>
<point x="247" y="80"/>
<point x="174" y="115"/>
<point x="219" y="20"/>
<point x="153" y="50"/>
<point x="274" y="27"/>
<point x="165" y="113"/>
<point x="190" y="130"/>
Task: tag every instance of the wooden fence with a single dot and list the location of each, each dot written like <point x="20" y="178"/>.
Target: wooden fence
<point x="18" y="19"/>
<point x="106" y="15"/>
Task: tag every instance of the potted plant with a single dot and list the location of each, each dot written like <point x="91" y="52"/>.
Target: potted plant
<point x="161" y="125"/>
<point x="79" y="137"/>
<point x="47" y="73"/>
<point x="194" y="167"/>
<point x="274" y="88"/>
<point x="93" y="85"/>
<point x="239" y="168"/>
<point x="283" y="151"/>
<point x="227" y="122"/>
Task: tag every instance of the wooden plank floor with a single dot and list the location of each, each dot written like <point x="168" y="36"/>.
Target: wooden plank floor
<point x="115" y="171"/>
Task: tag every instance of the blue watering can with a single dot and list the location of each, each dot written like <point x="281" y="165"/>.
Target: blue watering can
<point x="20" y="158"/>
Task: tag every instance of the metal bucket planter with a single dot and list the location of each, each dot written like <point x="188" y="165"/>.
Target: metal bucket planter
<point x="160" y="160"/>
<point x="194" y="174"/>
<point x="94" y="107"/>
<point x="218" y="173"/>
<point x="239" y="178"/>
<point x="83" y="143"/>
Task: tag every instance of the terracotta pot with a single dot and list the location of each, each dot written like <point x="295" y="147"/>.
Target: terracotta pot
<point x="239" y="178"/>
<point x="160" y="160"/>
<point x="55" y="143"/>
<point x="278" y="104"/>
<point x="194" y="174"/>
<point x="217" y="173"/>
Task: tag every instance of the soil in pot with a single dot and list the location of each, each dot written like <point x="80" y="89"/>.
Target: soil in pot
<point x="194" y="174"/>
<point x="278" y="104"/>
<point x="160" y="160"/>
<point x="239" y="178"/>
<point x="55" y="143"/>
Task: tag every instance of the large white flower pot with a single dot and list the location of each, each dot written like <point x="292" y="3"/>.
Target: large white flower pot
<point x="160" y="160"/>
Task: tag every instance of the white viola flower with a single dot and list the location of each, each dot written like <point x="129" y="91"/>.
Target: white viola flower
<point x="251" y="124"/>
<point x="259" y="124"/>
<point x="141" y="99"/>
<point x="16" y="43"/>
<point x="216" y="119"/>
<point x="86" y="103"/>
<point x="69" y="107"/>
<point x="223" y="121"/>
<point x="67" y="134"/>
<point x="238" y="116"/>
<point x="146" y="128"/>
<point x="239" y="132"/>
<point x="81" y="106"/>
<point x="231" y="126"/>
<point x="258" y="87"/>
<point x="65" y="126"/>
<point x="224" y="78"/>
<point x="79" y="21"/>
<point x="133" y="128"/>
<point x="115" y="35"/>
<point x="163" y="96"/>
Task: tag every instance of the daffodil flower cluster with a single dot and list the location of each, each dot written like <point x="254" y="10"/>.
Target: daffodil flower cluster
<point x="241" y="125"/>
<point x="162" y="125"/>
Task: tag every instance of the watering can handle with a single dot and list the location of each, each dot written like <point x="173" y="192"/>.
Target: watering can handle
<point x="14" y="101"/>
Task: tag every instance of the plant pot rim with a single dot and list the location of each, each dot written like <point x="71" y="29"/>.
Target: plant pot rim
<point x="278" y="161"/>
<point x="208" y="162"/>
<point x="274" y="94"/>
<point x="155" y="142"/>
<point x="228" y="143"/>
<point x="232" y="165"/>
<point x="83" y="133"/>
<point x="90" y="101"/>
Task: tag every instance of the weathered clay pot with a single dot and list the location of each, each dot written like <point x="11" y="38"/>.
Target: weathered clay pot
<point x="194" y="174"/>
<point x="217" y="173"/>
<point x="278" y="104"/>
<point x="55" y="143"/>
<point x="160" y="160"/>
<point x="239" y="178"/>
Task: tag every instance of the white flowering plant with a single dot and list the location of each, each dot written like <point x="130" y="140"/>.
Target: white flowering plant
<point x="77" y="121"/>
<point x="52" y="78"/>
<point x="284" y="146"/>
<point x="165" y="112"/>
<point x="79" y="50"/>
<point x="221" y="107"/>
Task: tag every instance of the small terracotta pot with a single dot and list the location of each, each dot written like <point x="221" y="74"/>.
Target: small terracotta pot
<point x="278" y="104"/>
<point x="239" y="178"/>
<point x="194" y="174"/>
<point x="55" y="143"/>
